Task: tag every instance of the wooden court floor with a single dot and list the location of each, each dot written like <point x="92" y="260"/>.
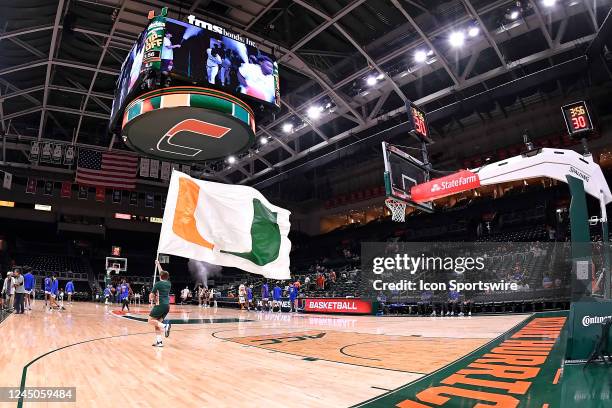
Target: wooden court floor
<point x="225" y="357"/>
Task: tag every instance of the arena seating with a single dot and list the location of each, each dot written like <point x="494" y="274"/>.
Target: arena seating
<point x="505" y="220"/>
<point x="64" y="266"/>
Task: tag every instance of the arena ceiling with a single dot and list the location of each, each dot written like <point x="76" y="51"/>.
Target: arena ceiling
<point x="347" y="66"/>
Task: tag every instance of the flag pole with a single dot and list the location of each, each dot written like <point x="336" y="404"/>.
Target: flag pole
<point x="157" y="265"/>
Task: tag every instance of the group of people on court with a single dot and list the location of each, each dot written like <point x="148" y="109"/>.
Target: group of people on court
<point x="451" y="304"/>
<point x="293" y="292"/>
<point x="19" y="291"/>
<point x="122" y="293"/>
<point x="206" y="296"/>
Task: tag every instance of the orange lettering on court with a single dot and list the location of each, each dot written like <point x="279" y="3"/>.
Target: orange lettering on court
<point x="513" y="359"/>
<point x="509" y="359"/>
<point x="501" y="371"/>
<point x="519" y="351"/>
<point x="551" y="334"/>
<point x="513" y="387"/>
<point x="438" y="396"/>
<point x="411" y="404"/>
<point x="184" y="224"/>
<point x="548" y="344"/>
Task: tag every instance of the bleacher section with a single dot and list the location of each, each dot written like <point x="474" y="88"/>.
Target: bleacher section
<point x="64" y="267"/>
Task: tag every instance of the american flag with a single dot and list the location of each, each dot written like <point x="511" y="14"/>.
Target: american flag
<point x="110" y="170"/>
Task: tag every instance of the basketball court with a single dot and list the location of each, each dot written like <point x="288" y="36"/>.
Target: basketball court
<point x="214" y="356"/>
<point x="298" y="203"/>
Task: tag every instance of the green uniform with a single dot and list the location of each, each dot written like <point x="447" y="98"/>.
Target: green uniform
<point x="161" y="310"/>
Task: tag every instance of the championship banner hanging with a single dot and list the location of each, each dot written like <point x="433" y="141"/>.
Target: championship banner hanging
<point x="31" y="186"/>
<point x="444" y="186"/>
<point x="58" y="152"/>
<point x="133" y="198"/>
<point x="149" y="200"/>
<point x="154" y="169"/>
<point x="34" y="152"/>
<point x="83" y="192"/>
<point x="144" y="167"/>
<point x="227" y="225"/>
<point x="47" y="151"/>
<point x="49" y="187"/>
<point x="7" y="181"/>
<point x="100" y="194"/>
<point x="69" y="155"/>
<point x="66" y="189"/>
<point x="117" y="194"/>
<point x="165" y="171"/>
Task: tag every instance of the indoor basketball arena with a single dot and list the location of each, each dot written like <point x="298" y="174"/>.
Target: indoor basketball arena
<point x="304" y="203"/>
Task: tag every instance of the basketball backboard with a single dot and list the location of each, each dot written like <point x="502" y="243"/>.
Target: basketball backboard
<point x="117" y="264"/>
<point x="402" y="172"/>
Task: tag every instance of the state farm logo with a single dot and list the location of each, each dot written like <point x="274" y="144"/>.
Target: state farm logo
<point x="589" y="320"/>
<point x="454" y="183"/>
<point x="461" y="181"/>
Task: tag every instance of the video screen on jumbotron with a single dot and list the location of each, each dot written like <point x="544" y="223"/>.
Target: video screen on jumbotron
<point x="207" y="56"/>
<point x="234" y="65"/>
<point x="129" y="76"/>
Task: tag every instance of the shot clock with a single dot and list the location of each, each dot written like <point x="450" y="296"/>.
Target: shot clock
<point x="577" y="119"/>
<point x="417" y="122"/>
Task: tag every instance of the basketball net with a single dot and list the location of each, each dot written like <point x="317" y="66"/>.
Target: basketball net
<point x="397" y="208"/>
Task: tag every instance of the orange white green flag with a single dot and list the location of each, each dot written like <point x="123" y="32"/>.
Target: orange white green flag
<point x="227" y="225"/>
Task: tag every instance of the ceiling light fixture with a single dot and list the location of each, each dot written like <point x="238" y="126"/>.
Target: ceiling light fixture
<point x="456" y="39"/>
<point x="420" y="56"/>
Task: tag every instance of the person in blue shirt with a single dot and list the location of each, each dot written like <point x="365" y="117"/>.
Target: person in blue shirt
<point x="107" y="294"/>
<point x="54" y="293"/>
<point x="453" y="302"/>
<point x="118" y="293"/>
<point x="265" y="296"/>
<point x="425" y="303"/>
<point x="293" y="294"/>
<point x="124" y="295"/>
<point x="249" y="291"/>
<point x="47" y="290"/>
<point x="29" y="283"/>
<point x="276" y="296"/>
<point x="69" y="289"/>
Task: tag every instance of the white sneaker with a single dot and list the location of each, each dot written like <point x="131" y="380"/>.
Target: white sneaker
<point x="167" y="327"/>
<point x="433" y="314"/>
<point x="158" y="344"/>
<point x="461" y="314"/>
<point x="470" y="313"/>
<point x="448" y="313"/>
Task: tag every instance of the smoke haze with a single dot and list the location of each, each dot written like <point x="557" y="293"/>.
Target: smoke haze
<point x="202" y="271"/>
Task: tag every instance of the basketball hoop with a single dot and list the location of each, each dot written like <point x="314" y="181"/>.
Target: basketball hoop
<point x="397" y="208"/>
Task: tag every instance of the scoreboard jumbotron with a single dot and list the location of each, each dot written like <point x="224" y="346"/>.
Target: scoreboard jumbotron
<point x="190" y="91"/>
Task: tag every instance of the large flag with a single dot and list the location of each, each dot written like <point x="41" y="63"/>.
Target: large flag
<point x="227" y="225"/>
<point x="109" y="170"/>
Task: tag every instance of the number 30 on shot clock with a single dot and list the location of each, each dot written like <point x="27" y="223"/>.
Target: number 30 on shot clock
<point x="417" y="122"/>
<point x="577" y="118"/>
